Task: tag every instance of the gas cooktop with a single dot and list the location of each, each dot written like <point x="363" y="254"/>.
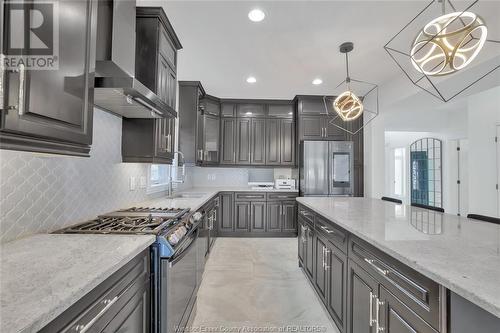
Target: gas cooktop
<point x="172" y="213"/>
<point x="135" y="220"/>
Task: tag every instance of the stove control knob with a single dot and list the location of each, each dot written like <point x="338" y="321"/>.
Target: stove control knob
<point x="196" y="217"/>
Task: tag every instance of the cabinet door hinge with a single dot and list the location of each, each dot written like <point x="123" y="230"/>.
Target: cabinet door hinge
<point x="496" y="138"/>
<point x="458" y="181"/>
<point x="497" y="187"/>
<point x="458" y="148"/>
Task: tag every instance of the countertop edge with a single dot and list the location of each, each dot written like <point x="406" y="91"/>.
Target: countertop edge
<point x="451" y="285"/>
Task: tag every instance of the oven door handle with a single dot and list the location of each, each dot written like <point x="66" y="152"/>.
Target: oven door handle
<point x="175" y="259"/>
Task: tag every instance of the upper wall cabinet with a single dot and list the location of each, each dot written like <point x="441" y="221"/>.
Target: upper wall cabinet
<point x="156" y="53"/>
<point x="152" y="140"/>
<point x="191" y="120"/>
<point x="49" y="109"/>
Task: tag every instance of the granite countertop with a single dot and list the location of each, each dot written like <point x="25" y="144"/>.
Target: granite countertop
<point x="461" y="254"/>
<point x="43" y="275"/>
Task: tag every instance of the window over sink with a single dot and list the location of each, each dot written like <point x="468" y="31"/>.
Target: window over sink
<point x="158" y="178"/>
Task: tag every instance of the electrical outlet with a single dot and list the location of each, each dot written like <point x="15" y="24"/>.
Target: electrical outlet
<point x="142" y="182"/>
<point x="132" y="183"/>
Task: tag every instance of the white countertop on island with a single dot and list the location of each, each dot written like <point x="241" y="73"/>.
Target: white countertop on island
<point x="43" y="275"/>
<point x="459" y="253"/>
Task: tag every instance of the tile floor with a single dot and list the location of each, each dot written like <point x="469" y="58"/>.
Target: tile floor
<point x="255" y="283"/>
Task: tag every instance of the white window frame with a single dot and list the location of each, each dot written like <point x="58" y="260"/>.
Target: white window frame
<point x="164" y="179"/>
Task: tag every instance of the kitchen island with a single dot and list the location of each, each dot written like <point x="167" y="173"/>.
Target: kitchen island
<point x="425" y="255"/>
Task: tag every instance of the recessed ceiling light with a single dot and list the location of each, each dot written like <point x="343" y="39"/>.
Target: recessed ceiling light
<point x="256" y="15"/>
<point x="248" y="113"/>
<point x="251" y="79"/>
<point x="317" y="82"/>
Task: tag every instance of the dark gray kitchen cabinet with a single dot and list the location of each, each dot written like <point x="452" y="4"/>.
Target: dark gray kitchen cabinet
<point x="280" y="142"/>
<point x="258" y="142"/>
<point x="320" y="272"/>
<point x="319" y="128"/>
<point x="310" y="254"/>
<point x="336" y="300"/>
<point x="274" y="216"/>
<point x="258" y="216"/>
<point x="148" y="140"/>
<point x="226" y="217"/>
<point x="228" y="109"/>
<point x="273" y="146"/>
<point x="250" y="110"/>
<point x="282" y="216"/>
<point x="287" y="151"/>
<point x="156" y="53"/>
<point x="289" y="209"/>
<point x="191" y="121"/>
<point x="362" y="295"/>
<point x="121" y="303"/>
<point x="51" y="111"/>
<point x="243" y="140"/>
<point x="396" y="317"/>
<point x="228" y="141"/>
<point x="152" y="140"/>
<point x="301" y="241"/>
<point x="242" y="215"/>
<point x="207" y="146"/>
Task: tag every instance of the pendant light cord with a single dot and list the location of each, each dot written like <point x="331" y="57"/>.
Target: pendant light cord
<point x="348" y="79"/>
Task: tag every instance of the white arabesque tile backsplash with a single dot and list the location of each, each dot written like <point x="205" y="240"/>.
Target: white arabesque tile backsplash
<point x="42" y="193"/>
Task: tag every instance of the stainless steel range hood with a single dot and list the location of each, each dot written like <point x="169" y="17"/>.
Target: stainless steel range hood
<point x="116" y="88"/>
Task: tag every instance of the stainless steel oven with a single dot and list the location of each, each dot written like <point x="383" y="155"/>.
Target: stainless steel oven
<point x="176" y="282"/>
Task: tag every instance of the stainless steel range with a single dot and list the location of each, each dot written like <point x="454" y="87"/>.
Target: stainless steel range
<point x="173" y="257"/>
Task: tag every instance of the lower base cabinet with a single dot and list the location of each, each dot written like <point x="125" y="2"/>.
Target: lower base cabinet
<point x="119" y="304"/>
<point x="363" y="289"/>
<point x="257" y="214"/>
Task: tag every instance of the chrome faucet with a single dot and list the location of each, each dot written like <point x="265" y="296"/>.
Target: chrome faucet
<point x="183" y="178"/>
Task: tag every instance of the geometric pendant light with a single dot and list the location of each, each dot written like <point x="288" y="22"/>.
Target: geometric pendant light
<point x="354" y="103"/>
<point x="435" y="47"/>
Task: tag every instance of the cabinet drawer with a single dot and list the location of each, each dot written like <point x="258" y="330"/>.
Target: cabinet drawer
<point x="281" y="196"/>
<point x="306" y="214"/>
<point x="249" y="196"/>
<point x="418" y="292"/>
<point x="333" y="233"/>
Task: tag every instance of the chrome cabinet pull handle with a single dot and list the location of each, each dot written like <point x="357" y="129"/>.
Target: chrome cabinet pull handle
<point x="372" y="297"/>
<point x="22" y="77"/>
<point x="384" y="272"/>
<point x="2" y="79"/>
<point x="305" y="213"/>
<point x="84" y="328"/>
<point x="329" y="231"/>
<point x="378" y="328"/>
<point x="327" y="252"/>
<point x="324" y="258"/>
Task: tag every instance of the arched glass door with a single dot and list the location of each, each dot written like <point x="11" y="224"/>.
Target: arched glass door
<point x="426" y="176"/>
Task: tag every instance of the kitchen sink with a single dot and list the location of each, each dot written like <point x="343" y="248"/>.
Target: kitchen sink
<point x="191" y="195"/>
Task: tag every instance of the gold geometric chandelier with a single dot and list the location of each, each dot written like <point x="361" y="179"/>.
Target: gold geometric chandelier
<point x="448" y="43"/>
<point x="353" y="103"/>
<point x="347" y="105"/>
<point x="442" y="40"/>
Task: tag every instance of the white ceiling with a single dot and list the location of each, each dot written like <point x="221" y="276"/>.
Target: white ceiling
<point x="297" y="42"/>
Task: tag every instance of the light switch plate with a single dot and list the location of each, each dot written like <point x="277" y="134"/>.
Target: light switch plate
<point x="132" y="183"/>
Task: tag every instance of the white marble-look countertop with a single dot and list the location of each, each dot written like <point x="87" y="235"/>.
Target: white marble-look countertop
<point x="206" y="193"/>
<point x="43" y="275"/>
<point x="458" y="253"/>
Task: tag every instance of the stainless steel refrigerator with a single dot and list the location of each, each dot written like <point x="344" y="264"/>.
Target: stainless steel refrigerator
<point x="326" y="168"/>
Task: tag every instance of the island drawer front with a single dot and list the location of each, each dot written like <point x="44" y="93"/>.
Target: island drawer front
<point x="249" y="196"/>
<point x="331" y="232"/>
<point x="418" y="292"/>
<point x="281" y="196"/>
<point x="306" y="214"/>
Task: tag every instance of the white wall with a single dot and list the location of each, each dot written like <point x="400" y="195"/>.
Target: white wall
<point x="483" y="117"/>
<point x="471" y="117"/>
<point x="42" y="193"/>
